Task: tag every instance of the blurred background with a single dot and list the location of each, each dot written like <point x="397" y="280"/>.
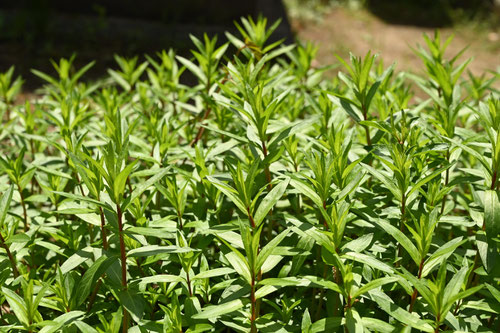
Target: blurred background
<point x="392" y="28"/>
<point x="34" y="31"/>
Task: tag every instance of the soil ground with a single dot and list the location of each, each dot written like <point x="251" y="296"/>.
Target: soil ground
<point x="341" y="30"/>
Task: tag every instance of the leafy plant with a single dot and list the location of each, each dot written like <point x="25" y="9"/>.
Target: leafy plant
<point x="261" y="197"/>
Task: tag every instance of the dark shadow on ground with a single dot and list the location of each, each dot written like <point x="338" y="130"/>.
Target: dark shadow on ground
<point x="34" y="31"/>
<point x="429" y="13"/>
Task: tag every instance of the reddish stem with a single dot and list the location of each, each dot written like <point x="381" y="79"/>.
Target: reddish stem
<point x="415" y="292"/>
<point x="250" y="217"/>
<point x="11" y="257"/>
<point x="253" y="314"/>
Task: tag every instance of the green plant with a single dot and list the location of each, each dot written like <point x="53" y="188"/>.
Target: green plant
<point x="260" y="198"/>
<point x="9" y="89"/>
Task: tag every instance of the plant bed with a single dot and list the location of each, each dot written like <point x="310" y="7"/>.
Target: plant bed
<point x="262" y="198"/>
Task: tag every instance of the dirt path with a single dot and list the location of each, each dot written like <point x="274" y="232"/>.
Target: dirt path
<point x="342" y="30"/>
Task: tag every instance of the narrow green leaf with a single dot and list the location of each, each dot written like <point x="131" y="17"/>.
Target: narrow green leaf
<point x="388" y="305"/>
<point x="388" y="183"/>
<point x="443" y="252"/>
<point x="269" y="201"/>
<point x="152" y="250"/>
<point x="402" y="239"/>
<point x="353" y="321"/>
<point x="368" y="260"/>
<point x="324" y="283"/>
<point x="230" y="192"/>
<point x="427" y="179"/>
<point x="5" y="203"/>
<point x="213" y="273"/>
<point x="374" y="284"/>
<point x="161" y="278"/>
<point x="121" y="180"/>
<point x="306" y="190"/>
<point x="17" y="305"/>
<point x="91" y="276"/>
<point x="269" y="248"/>
<point x="491" y="213"/>
<point x="326" y="325"/>
<point x="286" y="282"/>
<point x="64" y="320"/>
<point x="133" y="302"/>
<point x="377" y="325"/>
<point x="143" y="186"/>
<point x="214" y="311"/>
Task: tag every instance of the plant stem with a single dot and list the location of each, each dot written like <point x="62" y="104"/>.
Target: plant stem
<point x="457" y="307"/>
<point x="11" y="257"/>
<point x="7" y="111"/>
<point x="367" y="130"/>
<point x="201" y="130"/>
<point x="123" y="257"/>
<point x="180" y="220"/>
<point x="103" y="229"/>
<point x="494" y="180"/>
<point x="94" y="294"/>
<point x="446" y="181"/>
<point x="438" y="320"/>
<point x="367" y="134"/>
<point x="253" y="314"/>
<point x="474" y="267"/>
<point x="269" y="188"/>
<point x="402" y="222"/>
<point x="266" y="170"/>
<point x="321" y="293"/>
<point x="129" y="185"/>
<point x="79" y="183"/>
<point x="324" y="220"/>
<point x="250" y="217"/>
<point x="105" y="246"/>
<point x="490" y="321"/>
<point x="415" y="292"/>
<point x="23" y="204"/>
<point x="189" y="285"/>
<point x="255" y="307"/>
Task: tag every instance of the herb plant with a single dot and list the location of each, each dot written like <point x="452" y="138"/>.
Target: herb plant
<point x="260" y="197"/>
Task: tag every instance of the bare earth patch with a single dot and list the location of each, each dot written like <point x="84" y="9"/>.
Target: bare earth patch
<point x="342" y="30"/>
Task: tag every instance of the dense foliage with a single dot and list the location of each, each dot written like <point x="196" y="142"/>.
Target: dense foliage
<point x="262" y="197"/>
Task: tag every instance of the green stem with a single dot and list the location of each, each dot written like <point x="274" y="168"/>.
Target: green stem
<point x="494" y="180"/>
<point x="189" y="284"/>
<point x="23" y="204"/>
<point x="402" y="222"/>
<point x="266" y="170"/>
<point x="446" y="181"/>
<point x="7" y="111"/>
<point x="103" y="229"/>
<point x="367" y="130"/>
<point x="123" y="257"/>
<point x="179" y="216"/>
<point x="324" y="220"/>
<point x="367" y="134"/>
